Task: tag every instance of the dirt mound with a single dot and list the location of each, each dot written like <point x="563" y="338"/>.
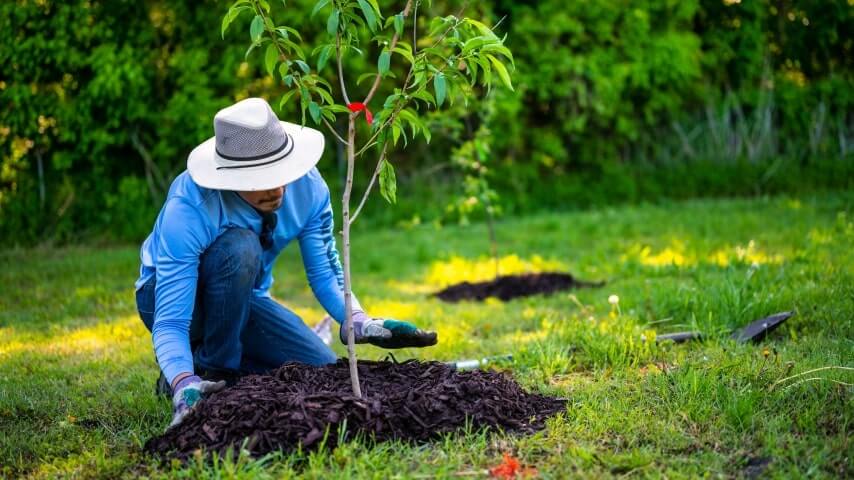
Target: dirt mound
<point x="410" y="401"/>
<point x="507" y="287"/>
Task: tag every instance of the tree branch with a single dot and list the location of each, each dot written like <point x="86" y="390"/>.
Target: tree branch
<point x="402" y="103"/>
<point x="272" y="33"/>
<point x="391" y="46"/>
<point x="415" y="28"/>
<point x="151" y="169"/>
<point x="340" y="68"/>
<point x="398" y="107"/>
<point x="370" y="184"/>
<point x="332" y="130"/>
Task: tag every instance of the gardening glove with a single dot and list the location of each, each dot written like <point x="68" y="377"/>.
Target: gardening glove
<point x="188" y="392"/>
<point x="387" y="333"/>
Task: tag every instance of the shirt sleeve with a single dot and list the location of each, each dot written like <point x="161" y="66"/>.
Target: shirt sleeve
<point x="320" y="258"/>
<point x="183" y="238"/>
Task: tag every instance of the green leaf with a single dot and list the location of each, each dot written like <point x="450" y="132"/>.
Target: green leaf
<point x="471" y="69"/>
<point x="383" y="62"/>
<point x="440" y="87"/>
<point x="229" y="17"/>
<point x="322" y="81"/>
<point x="293" y="47"/>
<point x="314" y="110"/>
<point x="487" y="70"/>
<point x="484" y="30"/>
<point x="390" y="100"/>
<point x="325" y="53"/>
<point x="303" y="66"/>
<point x="473" y="43"/>
<point x="327" y="114"/>
<point x="324" y="95"/>
<point x="405" y="53"/>
<point x="411" y="117"/>
<point x="364" y="76"/>
<point x="368" y="12"/>
<point x="270" y="58"/>
<point x="502" y="71"/>
<point x="319" y="5"/>
<point x="285" y="31"/>
<point x="332" y="22"/>
<point x="285" y="98"/>
<point x="376" y="9"/>
<point x="337" y="108"/>
<point x="304" y="99"/>
<point x="398" y="24"/>
<point x="256" y="28"/>
<point x="500" y="49"/>
<point x="249" y="50"/>
<point x="425" y="96"/>
<point x="388" y="182"/>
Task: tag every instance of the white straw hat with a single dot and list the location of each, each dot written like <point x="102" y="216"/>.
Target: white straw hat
<point x="253" y="150"/>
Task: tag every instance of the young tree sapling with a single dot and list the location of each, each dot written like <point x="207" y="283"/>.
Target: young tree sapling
<point x="454" y="60"/>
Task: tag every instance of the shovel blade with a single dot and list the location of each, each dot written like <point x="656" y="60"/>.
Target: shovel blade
<point x="759" y="329"/>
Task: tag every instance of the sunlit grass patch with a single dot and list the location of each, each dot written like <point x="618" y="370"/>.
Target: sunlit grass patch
<point x="97" y="340"/>
<point x="456" y="269"/>
<point x="392" y="308"/>
<point x="679" y="254"/>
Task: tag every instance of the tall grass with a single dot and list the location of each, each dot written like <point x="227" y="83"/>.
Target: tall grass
<point x="731" y="131"/>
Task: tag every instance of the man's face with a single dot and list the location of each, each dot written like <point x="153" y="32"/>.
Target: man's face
<point x="265" y="200"/>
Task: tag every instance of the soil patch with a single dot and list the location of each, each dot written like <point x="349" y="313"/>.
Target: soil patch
<point x="296" y="403"/>
<point x="506" y="287"/>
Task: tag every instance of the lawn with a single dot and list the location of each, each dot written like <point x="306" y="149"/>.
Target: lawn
<point x="77" y="369"/>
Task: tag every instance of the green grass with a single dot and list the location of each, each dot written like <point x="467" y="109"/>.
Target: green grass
<point x="77" y="369"/>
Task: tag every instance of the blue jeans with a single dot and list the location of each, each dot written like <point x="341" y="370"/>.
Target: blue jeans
<point x="234" y="332"/>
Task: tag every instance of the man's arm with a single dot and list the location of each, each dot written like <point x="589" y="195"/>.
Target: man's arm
<point x="320" y="258"/>
<point x="326" y="277"/>
<point x="183" y="238"/>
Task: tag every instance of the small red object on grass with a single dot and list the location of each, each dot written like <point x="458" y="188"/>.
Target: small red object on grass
<point x="358" y="107"/>
<point x="511" y="468"/>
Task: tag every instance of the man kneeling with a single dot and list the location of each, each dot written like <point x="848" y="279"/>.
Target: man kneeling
<point x="206" y="272"/>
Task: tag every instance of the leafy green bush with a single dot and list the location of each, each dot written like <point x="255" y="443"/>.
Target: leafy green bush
<point x="94" y="94"/>
<point x="615" y="101"/>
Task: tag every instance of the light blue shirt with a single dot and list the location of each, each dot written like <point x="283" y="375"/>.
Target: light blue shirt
<point x="193" y="217"/>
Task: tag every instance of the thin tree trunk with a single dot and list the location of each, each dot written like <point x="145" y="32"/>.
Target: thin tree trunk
<point x="348" y="288"/>
<point x="41" y="179"/>
<point x="341" y="157"/>
<point x="493" y="242"/>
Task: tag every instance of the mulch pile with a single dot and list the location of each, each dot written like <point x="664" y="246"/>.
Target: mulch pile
<point x="296" y="403"/>
<point x="507" y="287"/>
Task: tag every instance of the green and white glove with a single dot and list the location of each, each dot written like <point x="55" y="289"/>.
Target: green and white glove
<point x="387" y="333"/>
<point x="188" y="392"/>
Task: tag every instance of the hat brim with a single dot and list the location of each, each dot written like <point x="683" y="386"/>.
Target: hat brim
<point x="308" y="148"/>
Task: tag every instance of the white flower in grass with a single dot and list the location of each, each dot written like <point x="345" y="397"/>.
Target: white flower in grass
<point x="614" y="300"/>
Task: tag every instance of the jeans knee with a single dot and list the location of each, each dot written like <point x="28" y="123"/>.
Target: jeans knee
<point x="327" y="356"/>
<point x="237" y="251"/>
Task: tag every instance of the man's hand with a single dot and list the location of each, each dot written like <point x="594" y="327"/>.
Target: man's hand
<point x="188" y="392"/>
<point x="388" y="333"/>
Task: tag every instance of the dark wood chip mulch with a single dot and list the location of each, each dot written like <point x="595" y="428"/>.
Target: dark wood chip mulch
<point x="296" y="403"/>
<point x="507" y="287"/>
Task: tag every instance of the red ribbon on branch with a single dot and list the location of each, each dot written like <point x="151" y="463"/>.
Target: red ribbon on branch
<point x="358" y="107"/>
